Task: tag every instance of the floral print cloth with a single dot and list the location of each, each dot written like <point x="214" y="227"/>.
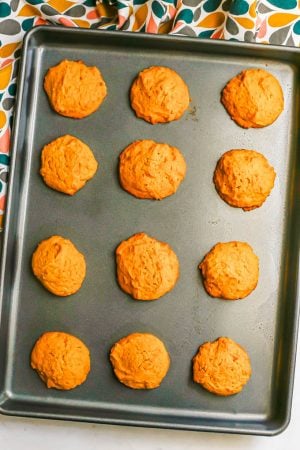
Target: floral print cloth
<point x="263" y="21"/>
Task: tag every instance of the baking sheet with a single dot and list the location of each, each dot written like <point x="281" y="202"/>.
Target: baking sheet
<point x="192" y="221"/>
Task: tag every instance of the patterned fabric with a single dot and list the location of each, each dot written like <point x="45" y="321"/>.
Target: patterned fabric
<point x="264" y="21"/>
<point x="272" y="21"/>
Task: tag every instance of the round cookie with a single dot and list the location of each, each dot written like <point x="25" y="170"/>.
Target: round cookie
<point x="151" y="170"/>
<point x="253" y="99"/>
<point x="140" y="361"/>
<point x="59" y="266"/>
<point x="159" y="95"/>
<point x="67" y="164"/>
<point x="146" y="268"/>
<point x="230" y="270"/>
<point x="61" y="360"/>
<point x="222" y="367"/>
<point x="74" y="89"/>
<point x="244" y="178"/>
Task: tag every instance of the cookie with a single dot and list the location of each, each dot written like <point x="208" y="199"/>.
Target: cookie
<point x="159" y="95"/>
<point x="244" y="178"/>
<point x="230" y="270"/>
<point x="59" y="266"/>
<point x="61" y="360"/>
<point x="151" y="170"/>
<point x="140" y="361"/>
<point x="146" y="268"/>
<point x="67" y="164"/>
<point x="253" y="99"/>
<point x="74" y="89"/>
<point x="222" y="367"/>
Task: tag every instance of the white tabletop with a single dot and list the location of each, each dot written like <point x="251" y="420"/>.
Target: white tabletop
<point x="29" y="434"/>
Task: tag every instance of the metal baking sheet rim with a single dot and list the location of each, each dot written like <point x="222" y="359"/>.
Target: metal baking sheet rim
<point x="6" y="397"/>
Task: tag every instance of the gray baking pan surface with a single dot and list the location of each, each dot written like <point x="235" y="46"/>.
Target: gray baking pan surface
<point x="101" y="215"/>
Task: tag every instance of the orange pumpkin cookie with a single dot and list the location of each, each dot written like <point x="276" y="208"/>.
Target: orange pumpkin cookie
<point x="253" y="99"/>
<point x="59" y="266"/>
<point x="222" y="367"/>
<point x="74" y="89"/>
<point x="151" y="170"/>
<point x="140" y="361"/>
<point x="61" y="360"/>
<point x="159" y="95"/>
<point x="244" y="178"/>
<point x="146" y="268"/>
<point x="230" y="270"/>
<point x="67" y="164"/>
